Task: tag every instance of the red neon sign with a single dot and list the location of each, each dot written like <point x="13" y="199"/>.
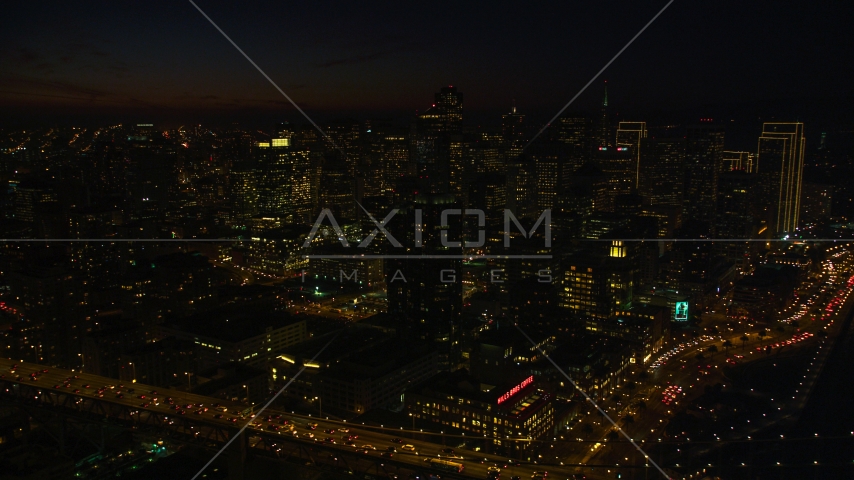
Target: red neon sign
<point x="516" y="389"/>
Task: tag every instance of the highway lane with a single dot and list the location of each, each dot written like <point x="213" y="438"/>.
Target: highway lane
<point x="682" y="369"/>
<point x="379" y="438"/>
<point x="96" y="387"/>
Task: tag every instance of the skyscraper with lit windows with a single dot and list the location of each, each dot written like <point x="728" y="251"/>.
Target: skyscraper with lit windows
<point x="513" y="128"/>
<point x="603" y="128"/>
<point x="662" y="163"/>
<point x="780" y="159"/>
<point x="435" y="140"/>
<point x="284" y="180"/>
<point x="629" y="135"/>
<point x="704" y="146"/>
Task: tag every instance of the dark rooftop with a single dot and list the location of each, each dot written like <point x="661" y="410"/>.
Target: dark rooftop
<point x="234" y="322"/>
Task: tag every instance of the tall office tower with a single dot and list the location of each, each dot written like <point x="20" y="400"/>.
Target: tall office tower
<point x="449" y="106"/>
<point x="284" y="181"/>
<point x="346" y="139"/>
<point x="273" y="180"/>
<point x="431" y="149"/>
<point x="336" y="189"/>
<point x="629" y="135"/>
<point x="243" y="180"/>
<point x="459" y="166"/>
<point x="704" y="146"/>
<point x="661" y="170"/>
<point x="816" y="201"/>
<point x="780" y="160"/>
<point x="306" y="138"/>
<point x="301" y="198"/>
<point x="488" y="192"/>
<point x="30" y="196"/>
<point x="552" y="172"/>
<point x="603" y="128"/>
<point x="575" y="132"/>
<point x="395" y="160"/>
<point x="735" y="215"/>
<point x="426" y="293"/>
<point x="732" y="160"/>
<point x="487" y="153"/>
<point x="620" y="166"/>
<point x="597" y="284"/>
<point x="513" y="129"/>
<point x="445" y="115"/>
<point x="521" y="189"/>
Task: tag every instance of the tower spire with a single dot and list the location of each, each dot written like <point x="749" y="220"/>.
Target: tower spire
<point x="605" y="100"/>
<point x="604" y="133"/>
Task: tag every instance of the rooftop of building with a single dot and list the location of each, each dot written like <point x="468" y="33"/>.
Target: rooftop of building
<point x="346" y="343"/>
<point x="769" y="274"/>
<point x="520" y="399"/>
<point x="382" y="359"/>
<point x="223" y="376"/>
<point x="584" y="349"/>
<point x="647" y="311"/>
<point x="234" y="323"/>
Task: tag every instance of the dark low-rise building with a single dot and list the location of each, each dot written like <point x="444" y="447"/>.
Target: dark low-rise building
<point x="235" y="382"/>
<point x="644" y="327"/>
<point x="366" y="369"/>
<point x="763" y="295"/>
<point x="249" y="334"/>
<point x="597" y="364"/>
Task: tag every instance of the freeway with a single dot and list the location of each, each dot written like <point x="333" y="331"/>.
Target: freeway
<point x="680" y="367"/>
<point x="372" y="442"/>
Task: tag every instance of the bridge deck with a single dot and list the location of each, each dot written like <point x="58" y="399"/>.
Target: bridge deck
<point x="66" y="389"/>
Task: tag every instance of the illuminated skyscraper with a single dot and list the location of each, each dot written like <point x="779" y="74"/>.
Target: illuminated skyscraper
<point x="736" y="205"/>
<point x="446" y="113"/>
<point x="780" y="159"/>
<point x="513" y="128"/>
<point x="620" y="167"/>
<point x="435" y="142"/>
<point x="661" y="170"/>
<point x="395" y="160"/>
<point x="574" y="131"/>
<point x="548" y="163"/>
<point x="284" y="183"/>
<point x="603" y="129"/>
<point x="346" y="135"/>
<point x="426" y="294"/>
<point x="336" y="190"/>
<point x="629" y="135"/>
<point x="704" y="148"/>
<point x="598" y="283"/>
<point x="244" y="192"/>
<point x="738" y="161"/>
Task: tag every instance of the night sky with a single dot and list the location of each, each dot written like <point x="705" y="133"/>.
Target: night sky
<point x="164" y="60"/>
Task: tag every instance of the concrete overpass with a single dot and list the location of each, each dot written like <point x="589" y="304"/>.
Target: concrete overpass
<point x="193" y="419"/>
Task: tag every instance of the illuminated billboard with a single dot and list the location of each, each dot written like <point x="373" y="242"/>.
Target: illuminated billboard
<point x="680" y="314"/>
<point x="516" y="389"/>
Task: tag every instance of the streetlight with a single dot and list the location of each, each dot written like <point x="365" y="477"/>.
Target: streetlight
<point x="82" y="362"/>
<point x="247" y="393"/>
<point x="133" y="365"/>
<point x="189" y="386"/>
<point x="319" y="406"/>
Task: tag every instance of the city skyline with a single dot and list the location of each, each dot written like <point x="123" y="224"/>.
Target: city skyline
<point x="440" y="241"/>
